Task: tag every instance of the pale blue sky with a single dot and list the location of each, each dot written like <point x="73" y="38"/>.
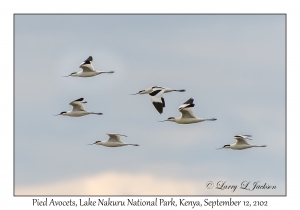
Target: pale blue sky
<point x="232" y="65"/>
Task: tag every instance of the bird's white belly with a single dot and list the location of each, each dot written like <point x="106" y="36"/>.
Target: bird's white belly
<point x="114" y="144"/>
<point x="188" y="120"/>
<point x="77" y="113"/>
<point x="240" y="147"/>
<point x="87" y="74"/>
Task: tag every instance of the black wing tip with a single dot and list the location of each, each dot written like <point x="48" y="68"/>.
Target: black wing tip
<point x="80" y="99"/>
<point x="158" y="106"/>
<point x="88" y="60"/>
<point x="190" y="101"/>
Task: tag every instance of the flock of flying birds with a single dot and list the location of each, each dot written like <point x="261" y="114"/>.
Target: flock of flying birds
<point x="155" y="93"/>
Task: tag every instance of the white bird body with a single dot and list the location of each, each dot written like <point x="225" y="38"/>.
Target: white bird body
<point x="87" y="69"/>
<point x="187" y="115"/>
<point x="76" y="113"/>
<point x="113" y="141"/>
<point x="78" y="109"/>
<point x="241" y="143"/>
<point x="85" y="74"/>
<point x="240" y="146"/>
<point x="187" y="120"/>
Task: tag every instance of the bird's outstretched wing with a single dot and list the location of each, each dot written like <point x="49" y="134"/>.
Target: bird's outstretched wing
<point x="87" y="65"/>
<point x="113" y="137"/>
<point x="157" y="100"/>
<point x="77" y="105"/>
<point x="242" y="139"/>
<point x="186" y="109"/>
<point x="187" y="104"/>
<point x="187" y="113"/>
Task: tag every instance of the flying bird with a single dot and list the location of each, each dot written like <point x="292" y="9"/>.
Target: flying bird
<point x="78" y="109"/>
<point x="87" y="69"/>
<point x="150" y="89"/>
<point x="113" y="141"/>
<point x="241" y="143"/>
<point x="187" y="115"/>
<point x="155" y="93"/>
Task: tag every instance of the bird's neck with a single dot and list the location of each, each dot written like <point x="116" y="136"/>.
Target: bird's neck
<point x="99" y="143"/>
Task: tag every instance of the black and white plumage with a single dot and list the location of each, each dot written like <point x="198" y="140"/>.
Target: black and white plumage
<point x="78" y="104"/>
<point x="157" y="100"/>
<point x="241" y="143"/>
<point x="113" y="141"/>
<point x="78" y="109"/>
<point x="150" y="89"/>
<point x="155" y="93"/>
<point x="87" y="69"/>
<point x="187" y="115"/>
<point x="187" y="104"/>
<point x="243" y="138"/>
<point x="87" y="65"/>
